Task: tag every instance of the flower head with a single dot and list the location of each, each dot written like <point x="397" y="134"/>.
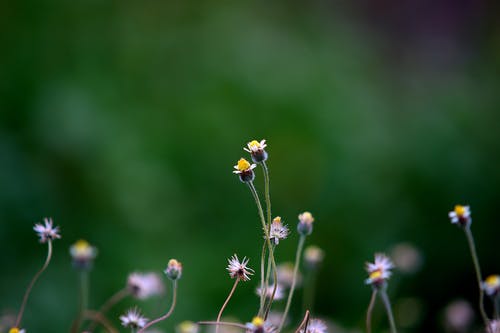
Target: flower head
<point x="491" y="285"/>
<point x="305" y="225"/>
<point x="133" y="319"/>
<point x="144" y="285"/>
<point x="460" y="215"/>
<point x="316" y="326"/>
<point x="245" y="170"/>
<point x="379" y="271"/>
<point x="279" y="294"/>
<point x="256" y="149"/>
<point x="285" y="275"/>
<point x="82" y="254"/>
<point x="494" y="326"/>
<point x="46" y="232"/>
<point x="278" y="231"/>
<point x="258" y="325"/>
<point x="173" y="270"/>
<point x="239" y="270"/>
<point x="17" y="330"/>
<point x="313" y="256"/>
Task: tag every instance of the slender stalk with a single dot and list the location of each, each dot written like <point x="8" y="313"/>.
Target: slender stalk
<point x="32" y="283"/>
<point x="84" y="292"/>
<point x="99" y="317"/>
<point x="115" y="298"/>
<point x="495" y="307"/>
<point x="266" y="231"/>
<point x="226" y="301"/>
<point x="387" y="304"/>
<point x="222" y="323"/>
<point x="475" y="260"/>
<point x="166" y="315"/>
<point x="304" y="323"/>
<point x="294" y="280"/>
<point x="370" y="311"/>
<point x="309" y="290"/>
<point x="263" y="285"/>
<point x="275" y="283"/>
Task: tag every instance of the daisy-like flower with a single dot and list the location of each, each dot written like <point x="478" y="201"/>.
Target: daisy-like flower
<point x="278" y="231"/>
<point x="494" y="326"/>
<point x="258" y="325"/>
<point x="173" y="270"/>
<point x="144" y="285"/>
<point x="256" y="149"/>
<point x="17" y="330"/>
<point x="379" y="271"/>
<point x="278" y="295"/>
<point x="239" y="270"/>
<point x="133" y="319"/>
<point x="83" y="254"/>
<point x="461" y="216"/>
<point x="305" y="225"/>
<point x="316" y="326"/>
<point x="491" y="285"/>
<point x="313" y="256"/>
<point x="46" y="232"/>
<point x="245" y="170"/>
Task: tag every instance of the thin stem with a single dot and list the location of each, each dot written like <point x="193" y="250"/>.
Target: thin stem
<point x="99" y="317"/>
<point x="115" y="298"/>
<point x="83" y="301"/>
<point x="370" y="311"/>
<point x="227" y="301"/>
<point x="304" y="323"/>
<point x="294" y="280"/>
<point x="495" y="306"/>
<point x="169" y="312"/>
<point x="275" y="283"/>
<point x="222" y="323"/>
<point x="266" y="232"/>
<point x="475" y="260"/>
<point x="387" y="304"/>
<point x="32" y="283"/>
<point x="263" y="286"/>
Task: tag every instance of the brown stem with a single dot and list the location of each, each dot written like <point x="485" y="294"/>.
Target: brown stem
<point x="222" y="323"/>
<point x="166" y="315"/>
<point x="227" y="301"/>
<point x="101" y="319"/>
<point x="304" y="323"/>
<point x="369" y="311"/>
<point x="117" y="297"/>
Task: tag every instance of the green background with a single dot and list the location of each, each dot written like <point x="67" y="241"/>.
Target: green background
<point x="123" y="120"/>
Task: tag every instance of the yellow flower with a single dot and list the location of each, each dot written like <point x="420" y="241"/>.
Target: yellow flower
<point x="256" y="149"/>
<point x="245" y="170"/>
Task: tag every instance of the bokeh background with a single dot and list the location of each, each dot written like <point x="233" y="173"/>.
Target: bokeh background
<point x="123" y="120"/>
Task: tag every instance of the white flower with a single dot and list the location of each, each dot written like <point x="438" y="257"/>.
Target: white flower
<point x="491" y="285"/>
<point x="46" y="232"/>
<point x="255" y="146"/>
<point x="379" y="271"/>
<point x="278" y="231"/>
<point x="279" y="294"/>
<point x="144" y="285"/>
<point x="239" y="270"/>
<point x="316" y="326"/>
<point x="258" y="325"/>
<point x="133" y="318"/>
<point x="460" y="215"/>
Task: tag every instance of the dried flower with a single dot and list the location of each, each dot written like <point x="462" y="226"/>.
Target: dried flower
<point x="256" y="149"/>
<point x="491" y="285"/>
<point x="379" y="271"/>
<point x="133" y="319"/>
<point x="313" y="256"/>
<point x="82" y="254"/>
<point x="460" y="215"/>
<point x="305" y="225"/>
<point x="239" y="270"/>
<point x="17" y="330"/>
<point x="245" y="170"/>
<point x="174" y="269"/>
<point x="279" y="294"/>
<point x="46" y="232"/>
<point x="316" y="326"/>
<point x="278" y="231"/>
<point x="144" y="285"/>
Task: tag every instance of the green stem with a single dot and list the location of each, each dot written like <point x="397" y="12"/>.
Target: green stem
<point x="169" y="312"/>
<point x="475" y="260"/>
<point x="370" y="311"/>
<point x="263" y="287"/>
<point x="275" y="283"/>
<point x="294" y="280"/>
<point x="225" y="303"/>
<point x="32" y="283"/>
<point x="267" y="195"/>
<point x="387" y="305"/>
<point x="495" y="307"/>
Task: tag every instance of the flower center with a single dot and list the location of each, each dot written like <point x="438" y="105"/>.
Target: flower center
<point x="459" y="210"/>
<point x="375" y="275"/>
<point x="243" y="165"/>
<point x="493" y="280"/>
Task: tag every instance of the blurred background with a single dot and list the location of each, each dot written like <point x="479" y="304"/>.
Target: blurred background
<point x="122" y="121"/>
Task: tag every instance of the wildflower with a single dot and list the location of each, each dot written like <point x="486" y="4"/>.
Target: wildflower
<point x="460" y="215"/>
<point x="187" y="327"/>
<point x="379" y="271"/>
<point x="245" y="170"/>
<point x="133" y="319"/>
<point x="494" y="326"/>
<point x="144" y="285"/>
<point x="279" y="294"/>
<point x="258" y="325"/>
<point x="173" y="270"/>
<point x="313" y="256"/>
<point x="491" y="285"/>
<point x="46" y="232"/>
<point x="82" y="254"/>
<point x="316" y="326"/>
<point x="285" y="275"/>
<point x="17" y="330"/>
<point x="278" y="231"/>
<point x="239" y="270"/>
<point x="305" y="225"/>
<point x="256" y="149"/>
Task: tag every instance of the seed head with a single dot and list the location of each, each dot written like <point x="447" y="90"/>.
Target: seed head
<point x="46" y="232"/>
<point x="133" y="319"/>
<point x="316" y="326"/>
<point x="239" y="270"/>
